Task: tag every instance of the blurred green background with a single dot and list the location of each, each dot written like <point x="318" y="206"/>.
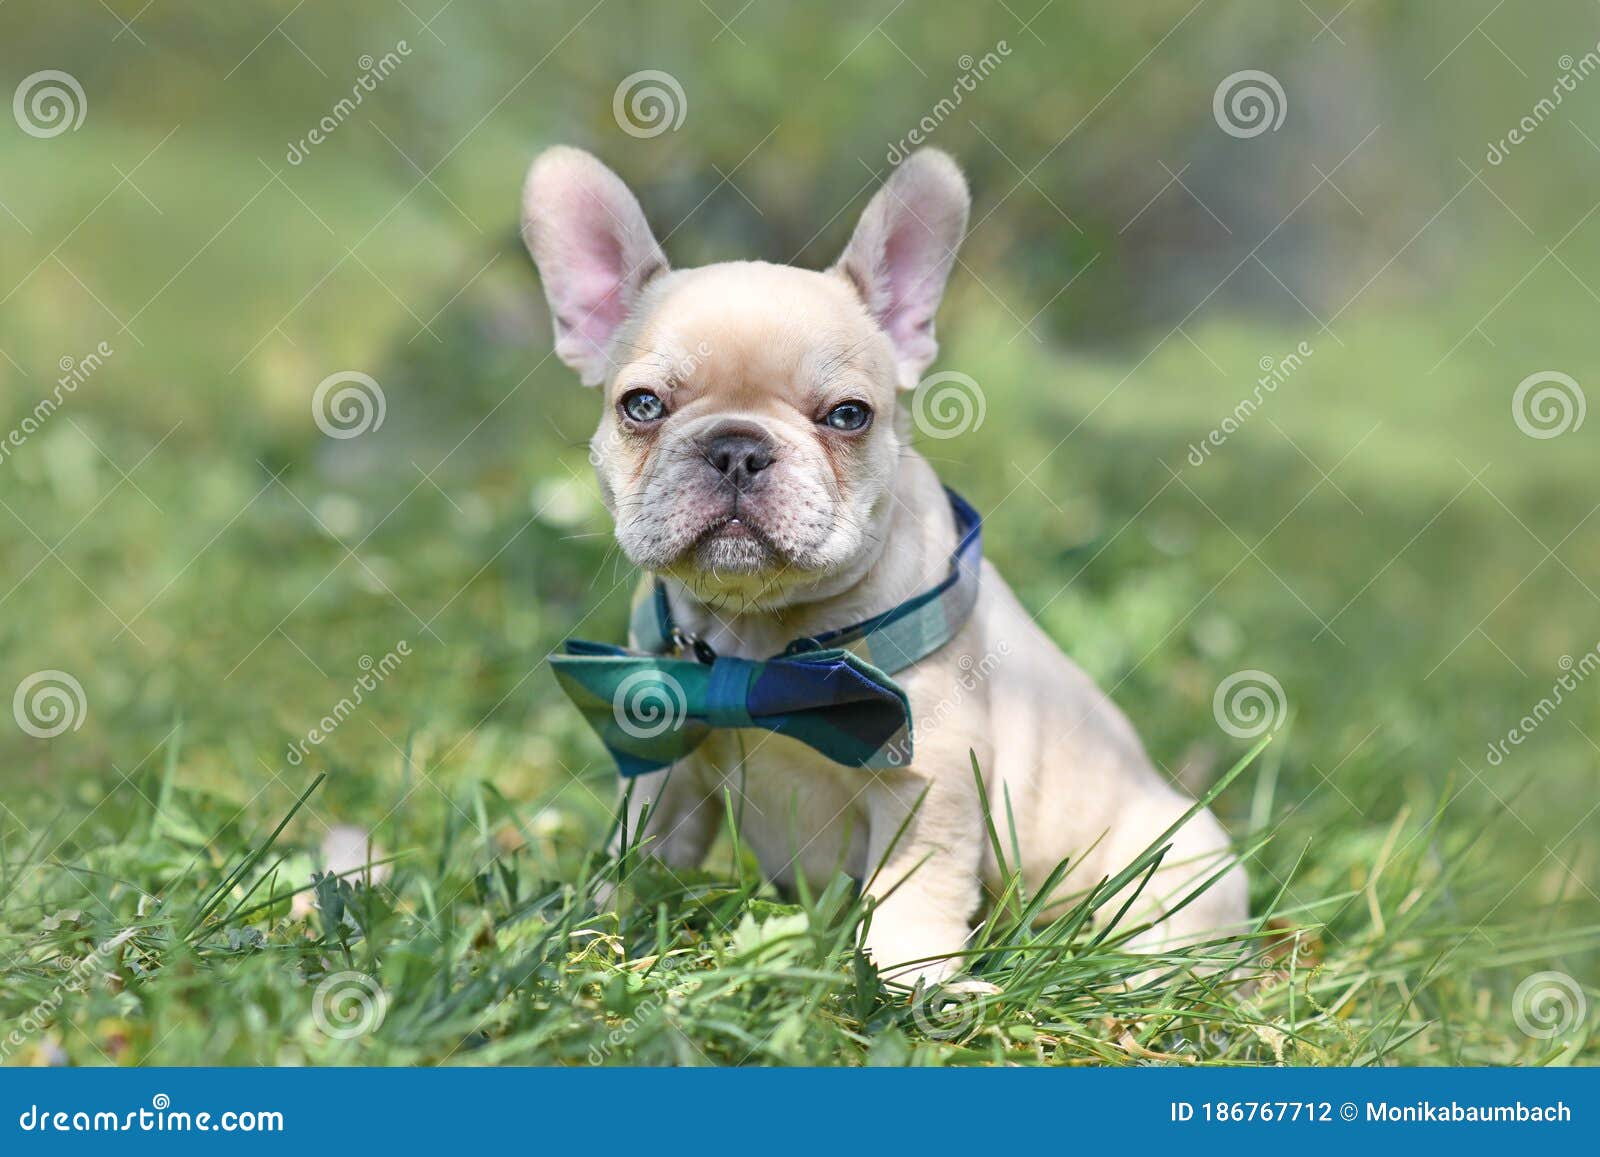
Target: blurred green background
<point x="1381" y="536"/>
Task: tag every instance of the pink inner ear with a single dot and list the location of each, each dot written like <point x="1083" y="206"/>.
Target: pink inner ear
<point x="901" y="253"/>
<point x="915" y="267"/>
<point x="594" y="251"/>
<point x="591" y="289"/>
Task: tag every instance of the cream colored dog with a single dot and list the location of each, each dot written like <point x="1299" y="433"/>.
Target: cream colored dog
<point x="755" y="455"/>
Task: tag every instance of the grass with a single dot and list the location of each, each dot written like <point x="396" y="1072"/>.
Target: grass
<point x="191" y="945"/>
<point x="181" y="539"/>
<point x="1403" y="888"/>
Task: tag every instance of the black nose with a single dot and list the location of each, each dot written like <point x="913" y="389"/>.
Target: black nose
<point x="738" y="457"/>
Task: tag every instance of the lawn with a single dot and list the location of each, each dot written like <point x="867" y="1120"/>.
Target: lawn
<point x="215" y="573"/>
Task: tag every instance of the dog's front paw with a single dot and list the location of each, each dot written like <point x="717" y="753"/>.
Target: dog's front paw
<point x="912" y="947"/>
<point x="926" y="974"/>
<point x="971" y="986"/>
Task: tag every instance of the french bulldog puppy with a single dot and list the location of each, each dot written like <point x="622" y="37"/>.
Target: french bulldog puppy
<point x="755" y="454"/>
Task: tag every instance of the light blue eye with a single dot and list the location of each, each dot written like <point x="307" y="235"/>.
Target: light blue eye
<point x="848" y="416"/>
<point x="643" y="406"/>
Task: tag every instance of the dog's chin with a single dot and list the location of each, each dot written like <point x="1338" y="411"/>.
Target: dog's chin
<point x="733" y="548"/>
<point x="729" y="559"/>
<point x="733" y="561"/>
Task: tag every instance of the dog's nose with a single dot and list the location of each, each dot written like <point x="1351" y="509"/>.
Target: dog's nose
<point x="738" y="457"/>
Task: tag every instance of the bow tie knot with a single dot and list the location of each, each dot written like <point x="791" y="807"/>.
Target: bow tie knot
<point x="650" y="710"/>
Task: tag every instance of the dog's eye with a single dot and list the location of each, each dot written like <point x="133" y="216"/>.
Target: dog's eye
<point x="848" y="416"/>
<point x="643" y="406"/>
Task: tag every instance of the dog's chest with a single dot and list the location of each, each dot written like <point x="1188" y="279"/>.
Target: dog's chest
<point x="801" y="814"/>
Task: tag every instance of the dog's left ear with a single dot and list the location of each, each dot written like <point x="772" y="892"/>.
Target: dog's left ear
<point x="902" y="250"/>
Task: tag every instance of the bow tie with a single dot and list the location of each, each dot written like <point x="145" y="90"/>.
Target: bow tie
<point x="652" y="706"/>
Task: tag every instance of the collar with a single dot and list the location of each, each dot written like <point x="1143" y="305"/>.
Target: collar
<point x="891" y="641"/>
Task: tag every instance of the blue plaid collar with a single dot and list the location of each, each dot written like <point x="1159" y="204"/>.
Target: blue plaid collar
<point x="832" y="692"/>
<point x="892" y="641"/>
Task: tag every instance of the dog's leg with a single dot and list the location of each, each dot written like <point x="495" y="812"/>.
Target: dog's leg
<point x="670" y="817"/>
<point x="925" y="882"/>
<point x="677" y="818"/>
<point x="1197" y="851"/>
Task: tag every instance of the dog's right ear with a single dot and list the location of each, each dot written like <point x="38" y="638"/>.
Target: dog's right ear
<point x="594" y="250"/>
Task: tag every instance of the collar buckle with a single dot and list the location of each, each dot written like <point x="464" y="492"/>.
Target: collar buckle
<point x="683" y="641"/>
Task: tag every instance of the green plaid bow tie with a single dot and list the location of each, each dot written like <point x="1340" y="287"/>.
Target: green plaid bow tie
<point x="652" y="708"/>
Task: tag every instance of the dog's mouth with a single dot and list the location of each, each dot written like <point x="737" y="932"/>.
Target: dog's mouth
<point x="733" y="543"/>
<point x="731" y="526"/>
